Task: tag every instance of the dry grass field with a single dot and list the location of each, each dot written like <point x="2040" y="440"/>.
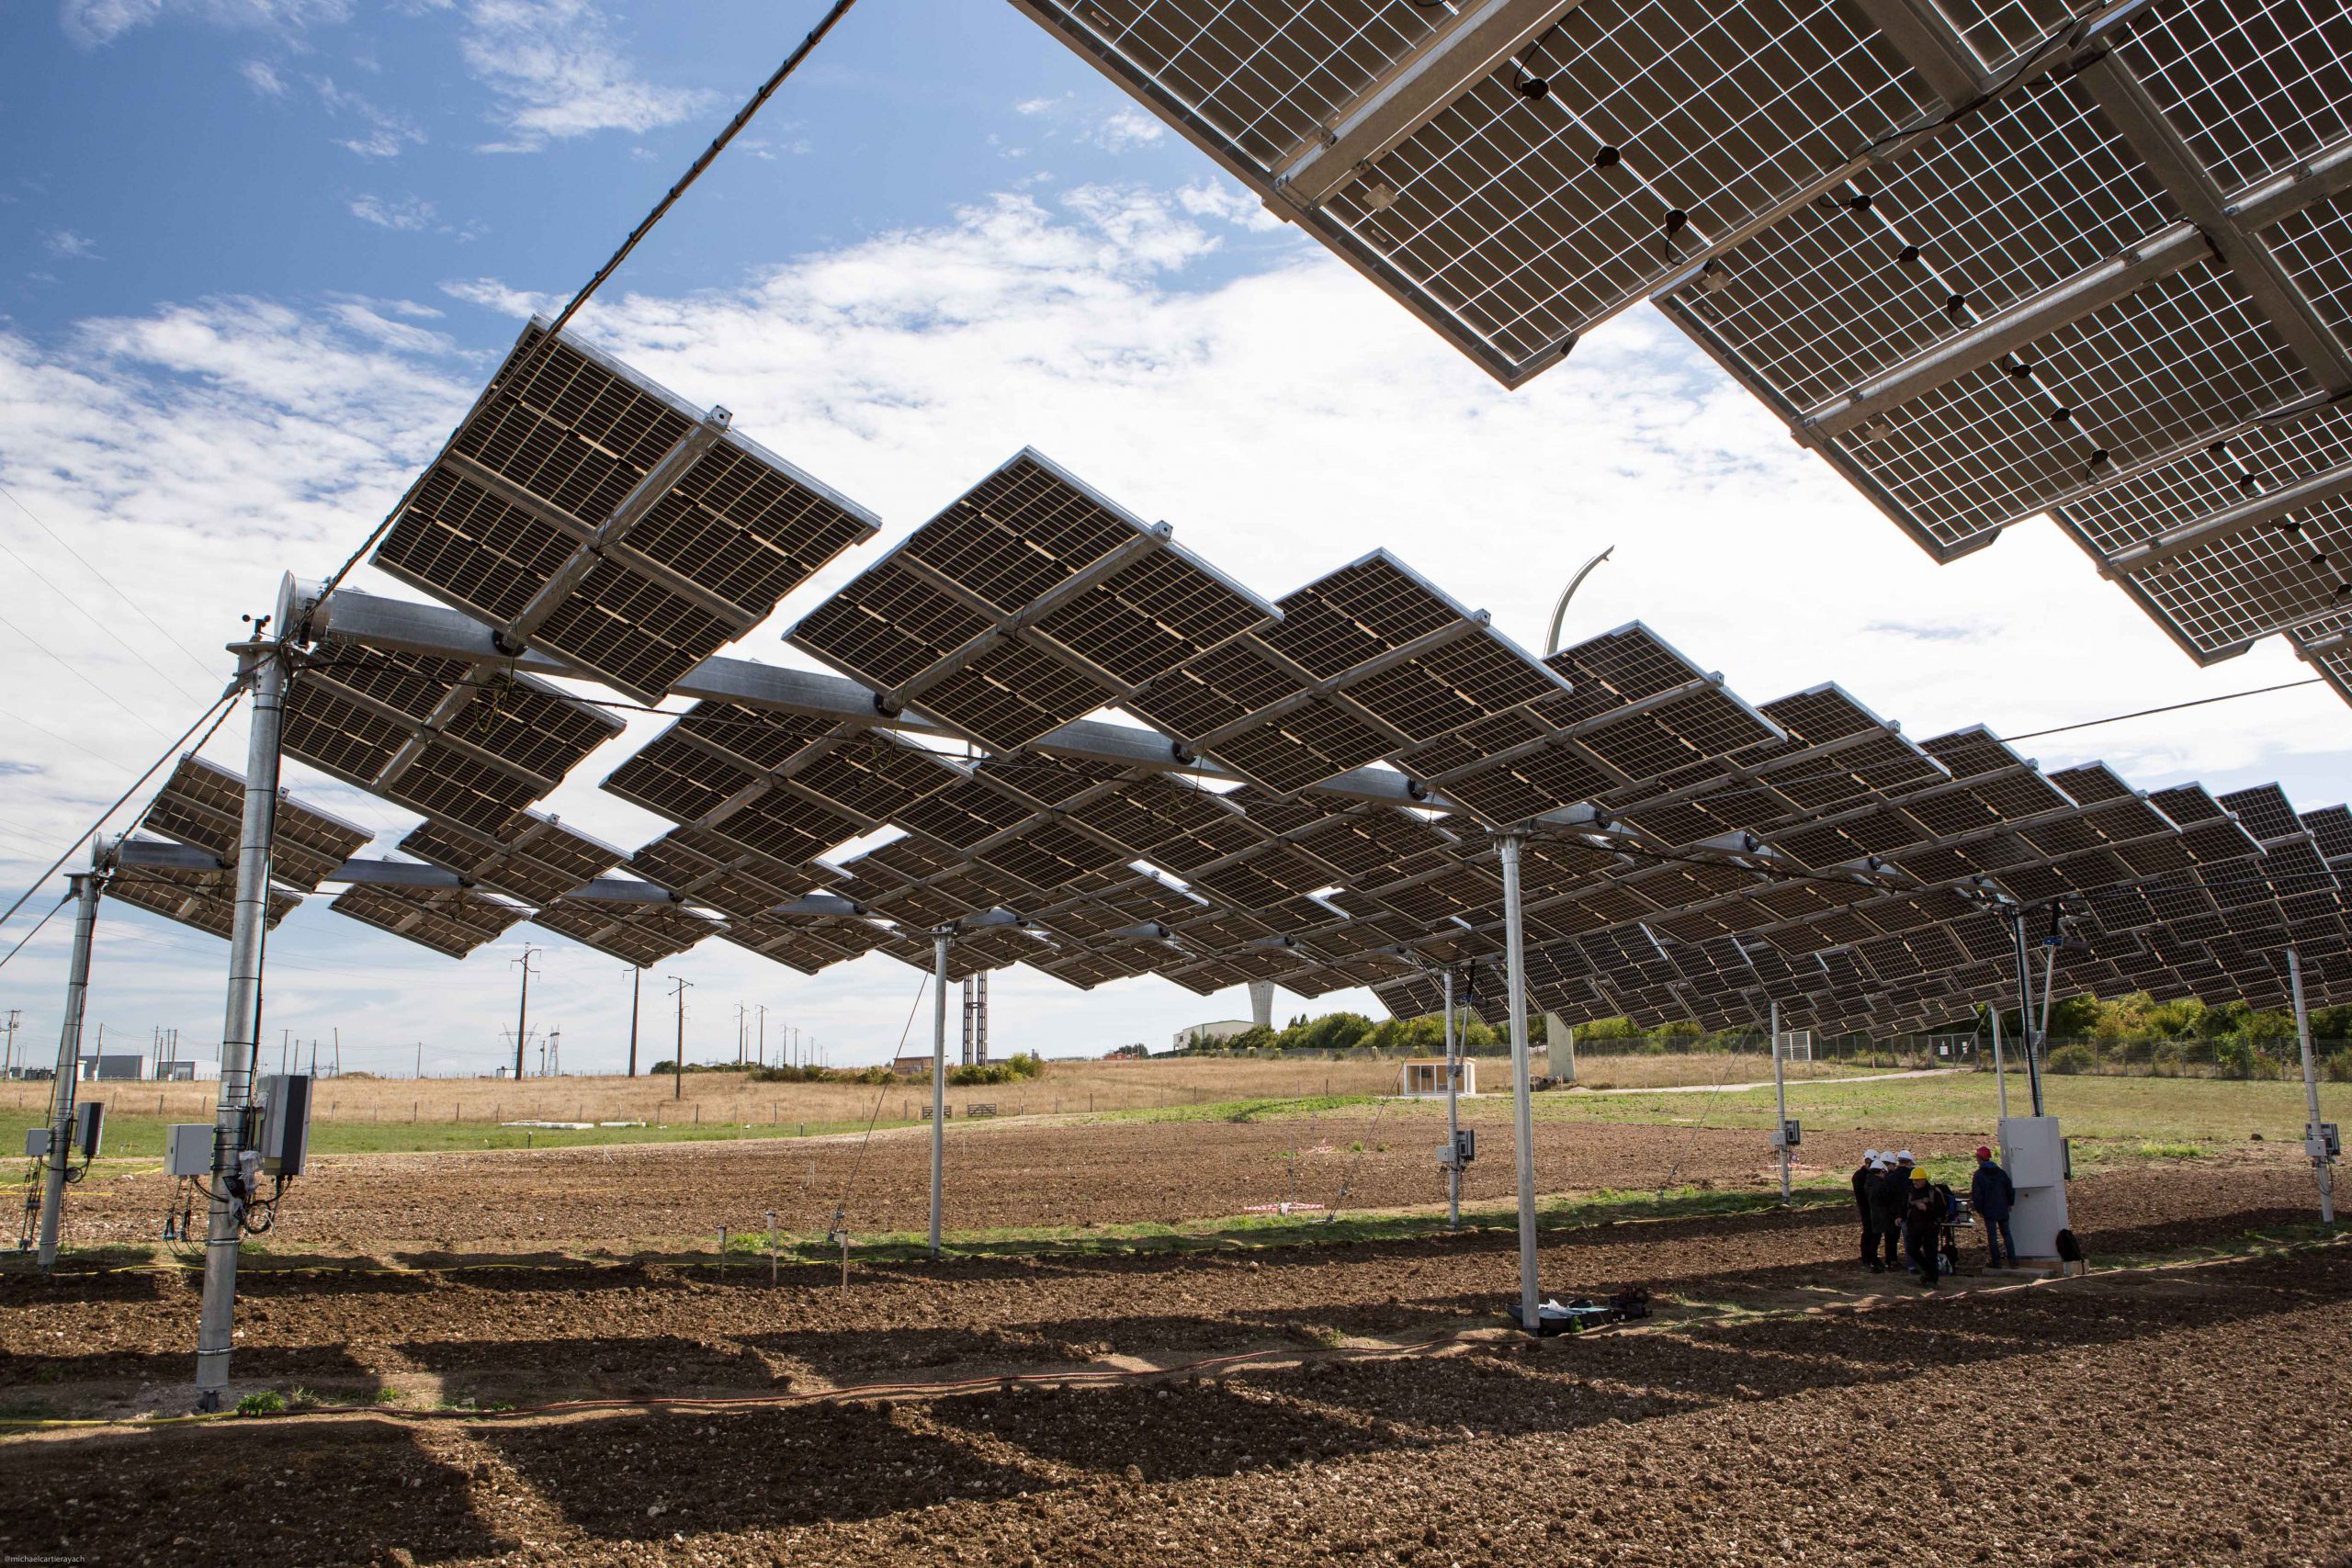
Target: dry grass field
<point x="717" y="1098"/>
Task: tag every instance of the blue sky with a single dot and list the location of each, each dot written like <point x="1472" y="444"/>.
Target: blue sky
<point x="257" y="255"/>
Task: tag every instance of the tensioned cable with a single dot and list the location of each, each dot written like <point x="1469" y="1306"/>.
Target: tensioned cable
<point x="2168" y="707"/>
<point x="37" y="925"/>
<point x="226" y="701"/>
<point x="661" y="210"/>
<point x="841" y="1209"/>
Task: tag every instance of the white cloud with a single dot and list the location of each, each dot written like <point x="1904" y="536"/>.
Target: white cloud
<point x="68" y="245"/>
<point x="383" y="133"/>
<point x="92" y="23"/>
<point x="491" y="295"/>
<point x="263" y="77"/>
<point x="1126" y="128"/>
<point x="406" y="214"/>
<point x="1038" y="106"/>
<point x="558" y="71"/>
<point x="1285" y="421"/>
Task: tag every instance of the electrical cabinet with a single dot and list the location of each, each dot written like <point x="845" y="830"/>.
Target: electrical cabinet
<point x="187" y="1148"/>
<point x="285" y="1123"/>
<point x="89" y="1127"/>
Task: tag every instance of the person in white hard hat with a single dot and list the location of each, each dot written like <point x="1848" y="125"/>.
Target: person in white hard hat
<point x="1899" y="1181"/>
<point x="1886" y="1215"/>
<point x="1862" y="1178"/>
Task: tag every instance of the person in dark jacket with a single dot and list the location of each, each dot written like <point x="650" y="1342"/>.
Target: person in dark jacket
<point x="1864" y="1175"/>
<point x="1923" y="1224"/>
<point x="1993" y="1195"/>
<point x="1886" y="1211"/>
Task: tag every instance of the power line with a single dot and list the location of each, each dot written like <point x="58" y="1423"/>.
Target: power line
<point x="222" y="706"/>
<point x="136" y="608"/>
<point x="50" y="654"/>
<point x="645" y="226"/>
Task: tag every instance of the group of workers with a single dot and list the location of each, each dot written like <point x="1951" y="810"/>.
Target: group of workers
<point x="1899" y="1202"/>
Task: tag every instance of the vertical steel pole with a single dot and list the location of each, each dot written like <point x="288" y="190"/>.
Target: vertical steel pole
<point x="85" y="885"/>
<point x="636" y="980"/>
<point x="1781" y="1097"/>
<point x="2000" y="1070"/>
<point x="1453" y="1118"/>
<point x="263" y="663"/>
<point x="2311" y="1092"/>
<point x="2025" y="1012"/>
<point x="1522" y="1101"/>
<point x="522" y="1012"/>
<point x="938" y="1078"/>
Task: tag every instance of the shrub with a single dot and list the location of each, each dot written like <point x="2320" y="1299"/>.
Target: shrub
<point x="2074" y="1059"/>
<point x="2337" y="1068"/>
<point x="2234" y="1056"/>
<point x="268" y="1401"/>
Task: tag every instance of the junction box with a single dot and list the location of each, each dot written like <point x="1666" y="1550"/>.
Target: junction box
<point x="2039" y="1162"/>
<point x="285" y="1123"/>
<point x="187" y="1148"/>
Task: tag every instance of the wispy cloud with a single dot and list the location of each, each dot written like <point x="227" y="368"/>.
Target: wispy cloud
<point x="263" y="78"/>
<point x="383" y="133"/>
<point x="558" y="71"/>
<point x="67" y="245"/>
<point x="1126" y="127"/>
<point x="92" y="23"/>
<point x="406" y="214"/>
<point x="1927" y="631"/>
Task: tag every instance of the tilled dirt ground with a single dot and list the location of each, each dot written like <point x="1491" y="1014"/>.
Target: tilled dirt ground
<point x="650" y="1197"/>
<point x="2194" y="1416"/>
<point x="2186" y="1415"/>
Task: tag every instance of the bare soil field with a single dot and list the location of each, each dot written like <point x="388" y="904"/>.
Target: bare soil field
<point x="2191" y="1413"/>
<point x="1070" y="1175"/>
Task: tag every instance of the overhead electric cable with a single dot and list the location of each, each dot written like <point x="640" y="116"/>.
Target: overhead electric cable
<point x="221" y="706"/>
<point x="839" y="9"/>
<point x="136" y="607"/>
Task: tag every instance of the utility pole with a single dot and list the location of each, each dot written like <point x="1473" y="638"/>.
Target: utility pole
<point x="678" y="1067"/>
<point x="8" y="1064"/>
<point x="523" y="1008"/>
<point x="338" y="1052"/>
<point x="635" y="980"/>
<point x="763" y="1035"/>
<point x="740" y="1031"/>
<point x="420" y="1059"/>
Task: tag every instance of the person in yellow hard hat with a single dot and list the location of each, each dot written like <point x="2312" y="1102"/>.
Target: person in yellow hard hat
<point x="1923" y="1220"/>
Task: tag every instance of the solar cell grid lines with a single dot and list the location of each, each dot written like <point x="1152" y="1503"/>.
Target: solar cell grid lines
<point x="452" y="921"/>
<point x="465" y="744"/>
<point x="536" y="859"/>
<point x="1995" y="261"/>
<point x="581" y="509"/>
<point x="206" y="900"/>
<point x="1028" y="603"/>
<point x="638" y="933"/>
<point x="202" y="805"/>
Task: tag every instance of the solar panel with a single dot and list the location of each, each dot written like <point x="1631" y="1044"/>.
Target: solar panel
<point x="204" y="899"/>
<point x="536" y="859"/>
<point x="637" y="933"/>
<point x="581" y="509"/>
<point x="1030" y="601"/>
<point x="719" y="768"/>
<point x="1367" y="662"/>
<point x="467" y="745"/>
<point x="202" y="805"/>
<point x="1991" y="260"/>
<point x="452" y="921"/>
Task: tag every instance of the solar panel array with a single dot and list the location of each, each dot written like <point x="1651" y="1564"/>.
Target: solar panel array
<point x="1992" y="259"/>
<point x="1319" y="800"/>
<point x="581" y="509"/>
<point x="202" y="807"/>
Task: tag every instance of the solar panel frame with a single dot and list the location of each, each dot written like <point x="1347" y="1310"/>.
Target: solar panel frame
<point x="585" y="510"/>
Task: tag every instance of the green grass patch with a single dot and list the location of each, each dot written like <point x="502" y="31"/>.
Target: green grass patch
<point x="141" y="1137"/>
